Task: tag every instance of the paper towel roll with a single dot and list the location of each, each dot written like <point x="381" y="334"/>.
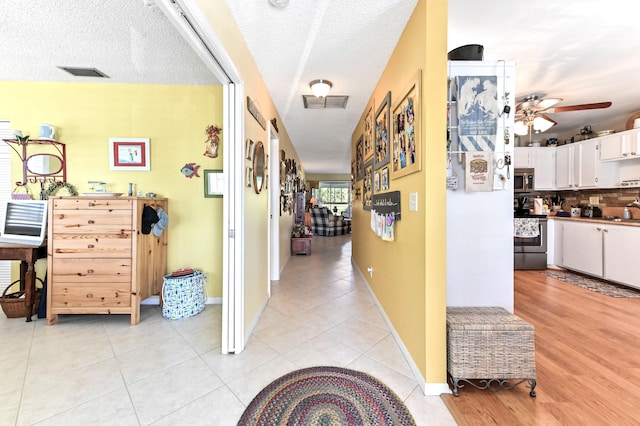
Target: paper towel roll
<point x="636" y="123"/>
<point x="537" y="206"/>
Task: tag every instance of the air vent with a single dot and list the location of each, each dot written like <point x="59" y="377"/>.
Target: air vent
<point x="328" y="102"/>
<point x="84" y="72"/>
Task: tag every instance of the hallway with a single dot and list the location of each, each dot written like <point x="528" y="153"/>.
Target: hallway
<point x="98" y="369"/>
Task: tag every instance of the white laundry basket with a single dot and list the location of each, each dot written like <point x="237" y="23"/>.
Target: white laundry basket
<point x="183" y="296"/>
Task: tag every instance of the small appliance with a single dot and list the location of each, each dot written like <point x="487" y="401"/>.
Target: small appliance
<point x="523" y="180"/>
<point x="591" y="211"/>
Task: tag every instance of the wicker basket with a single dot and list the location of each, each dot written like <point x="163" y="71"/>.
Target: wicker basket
<point x="14" y="305"/>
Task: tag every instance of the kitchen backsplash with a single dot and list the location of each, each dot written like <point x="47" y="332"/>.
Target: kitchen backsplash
<point x="618" y="197"/>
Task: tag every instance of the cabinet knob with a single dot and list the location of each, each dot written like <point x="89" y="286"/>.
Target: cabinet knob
<point x="90" y="246"/>
<point x="91" y="222"/>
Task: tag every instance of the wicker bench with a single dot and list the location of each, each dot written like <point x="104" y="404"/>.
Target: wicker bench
<point x="489" y="348"/>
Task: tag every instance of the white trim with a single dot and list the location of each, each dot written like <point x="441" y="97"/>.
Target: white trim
<point x="429" y="389"/>
<point x="5" y="192"/>
<point x="274" y="205"/>
<point x="188" y="19"/>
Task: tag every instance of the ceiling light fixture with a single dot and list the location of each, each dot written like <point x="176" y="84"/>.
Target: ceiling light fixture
<point x="320" y="87"/>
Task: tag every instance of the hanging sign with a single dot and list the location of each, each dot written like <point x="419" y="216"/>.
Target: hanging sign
<point x="388" y="202"/>
<point x="255" y="112"/>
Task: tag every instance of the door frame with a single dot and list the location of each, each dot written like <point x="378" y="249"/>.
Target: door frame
<point x="188" y="19"/>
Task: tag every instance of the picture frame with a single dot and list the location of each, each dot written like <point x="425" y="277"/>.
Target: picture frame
<point x="248" y="177"/>
<point x="248" y="149"/>
<point x="382" y="134"/>
<point x="384" y="180"/>
<point x="213" y="183"/>
<point x="367" y="185"/>
<point x="407" y="130"/>
<point x="376" y="181"/>
<point x="360" y="158"/>
<point x="131" y="154"/>
<point x="368" y="145"/>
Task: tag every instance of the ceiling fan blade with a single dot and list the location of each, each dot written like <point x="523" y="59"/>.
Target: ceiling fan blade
<point x="546" y="117"/>
<point x="597" y="105"/>
<point x="547" y="103"/>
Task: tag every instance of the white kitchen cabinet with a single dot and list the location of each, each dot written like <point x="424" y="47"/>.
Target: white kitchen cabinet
<point x="602" y="250"/>
<point x="582" y="247"/>
<point x="620" y="255"/>
<point x="523" y="157"/>
<point x="620" y="146"/>
<point x="578" y="166"/>
<point x="542" y="160"/>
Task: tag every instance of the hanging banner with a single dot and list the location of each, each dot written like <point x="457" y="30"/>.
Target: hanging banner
<point x="477" y="105"/>
<point x="478" y="171"/>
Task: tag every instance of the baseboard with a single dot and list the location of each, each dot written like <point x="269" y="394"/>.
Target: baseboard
<point x="428" y="389"/>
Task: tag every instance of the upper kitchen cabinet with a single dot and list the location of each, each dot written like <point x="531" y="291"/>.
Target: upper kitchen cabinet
<point x="542" y="160"/>
<point x="578" y="166"/>
<point x="620" y="146"/>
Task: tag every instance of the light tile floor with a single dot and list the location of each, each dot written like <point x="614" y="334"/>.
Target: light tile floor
<point x="100" y="370"/>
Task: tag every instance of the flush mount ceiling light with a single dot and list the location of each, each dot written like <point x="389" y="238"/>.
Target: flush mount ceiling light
<point x="320" y="87"/>
<point x="279" y="3"/>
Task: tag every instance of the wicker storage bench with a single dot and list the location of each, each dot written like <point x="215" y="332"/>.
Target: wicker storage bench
<point x="490" y="346"/>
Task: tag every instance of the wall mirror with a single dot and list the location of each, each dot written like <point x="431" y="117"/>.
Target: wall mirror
<point x="42" y="160"/>
<point x="258" y="167"/>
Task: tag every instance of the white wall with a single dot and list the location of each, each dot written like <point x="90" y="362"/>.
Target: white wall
<point x="480" y="224"/>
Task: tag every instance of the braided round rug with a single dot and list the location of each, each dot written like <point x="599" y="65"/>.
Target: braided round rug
<point x="326" y="396"/>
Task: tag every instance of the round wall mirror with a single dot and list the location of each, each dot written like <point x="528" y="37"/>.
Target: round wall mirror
<point x="44" y="164"/>
<point x="258" y="167"/>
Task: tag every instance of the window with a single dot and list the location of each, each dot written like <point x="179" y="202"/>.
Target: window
<point x="336" y="196"/>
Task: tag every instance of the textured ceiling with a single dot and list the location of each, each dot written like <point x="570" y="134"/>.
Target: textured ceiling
<point x="125" y="39"/>
<point x="581" y="50"/>
<point x="348" y="43"/>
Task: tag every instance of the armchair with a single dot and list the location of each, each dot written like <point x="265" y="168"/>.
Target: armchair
<point x="324" y="223"/>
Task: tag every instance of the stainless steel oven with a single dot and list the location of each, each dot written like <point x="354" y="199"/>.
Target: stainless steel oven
<point x="530" y="242"/>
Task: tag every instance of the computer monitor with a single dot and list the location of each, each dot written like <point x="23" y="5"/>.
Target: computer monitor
<point x="23" y="221"/>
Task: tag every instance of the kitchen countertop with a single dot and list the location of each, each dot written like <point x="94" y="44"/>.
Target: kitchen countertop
<point x="623" y="222"/>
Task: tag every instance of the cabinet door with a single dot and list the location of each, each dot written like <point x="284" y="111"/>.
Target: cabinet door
<point x="564" y="167"/>
<point x="582" y="247"/>
<point x="523" y="157"/>
<point x="620" y="255"/>
<point x="586" y="160"/>
<point x="545" y="166"/>
<point x="611" y="147"/>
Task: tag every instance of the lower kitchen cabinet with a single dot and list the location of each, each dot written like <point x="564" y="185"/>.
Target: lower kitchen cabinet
<point x="582" y="247"/>
<point x="602" y="250"/>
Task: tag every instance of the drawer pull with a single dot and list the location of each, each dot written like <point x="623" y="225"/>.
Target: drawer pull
<point x="89" y="296"/>
<point x="91" y="222"/>
<point x="91" y="246"/>
<point x="90" y="271"/>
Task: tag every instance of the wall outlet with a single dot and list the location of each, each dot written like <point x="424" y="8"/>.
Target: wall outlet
<point x="594" y="200"/>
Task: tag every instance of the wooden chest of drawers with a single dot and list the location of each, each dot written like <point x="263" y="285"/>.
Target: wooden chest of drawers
<point x="99" y="261"/>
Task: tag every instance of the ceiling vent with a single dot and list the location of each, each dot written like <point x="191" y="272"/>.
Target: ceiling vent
<point x="328" y="102"/>
<point x="84" y="72"/>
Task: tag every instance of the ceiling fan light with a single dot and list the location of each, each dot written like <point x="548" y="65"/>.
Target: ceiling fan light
<point x="320" y="87"/>
<point x="541" y="124"/>
<point x="520" y="128"/>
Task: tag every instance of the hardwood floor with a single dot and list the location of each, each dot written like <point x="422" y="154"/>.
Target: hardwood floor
<point x="587" y="361"/>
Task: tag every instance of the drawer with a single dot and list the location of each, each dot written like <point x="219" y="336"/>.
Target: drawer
<point x="102" y="294"/>
<point x="91" y="245"/>
<point x="91" y="222"/>
<point x="90" y="270"/>
<point x="88" y="203"/>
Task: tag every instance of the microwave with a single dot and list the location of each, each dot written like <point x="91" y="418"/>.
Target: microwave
<point x="523" y="180"/>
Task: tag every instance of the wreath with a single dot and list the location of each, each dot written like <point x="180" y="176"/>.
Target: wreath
<point x="56" y="186"/>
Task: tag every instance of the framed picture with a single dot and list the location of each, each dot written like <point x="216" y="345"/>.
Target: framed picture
<point x="368" y="147"/>
<point x="382" y="135"/>
<point x="360" y="158"/>
<point x="213" y="183"/>
<point x="248" y="149"/>
<point x="129" y="154"/>
<point x="367" y="186"/>
<point x="406" y="130"/>
<point x="384" y="183"/>
<point x="376" y="181"/>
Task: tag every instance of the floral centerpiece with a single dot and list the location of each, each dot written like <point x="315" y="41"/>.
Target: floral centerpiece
<point x="300" y="230"/>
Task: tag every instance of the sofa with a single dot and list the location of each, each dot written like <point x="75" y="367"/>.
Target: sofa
<point x="326" y="224"/>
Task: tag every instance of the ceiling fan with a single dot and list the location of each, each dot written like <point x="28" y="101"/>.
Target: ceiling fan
<point x="531" y="114"/>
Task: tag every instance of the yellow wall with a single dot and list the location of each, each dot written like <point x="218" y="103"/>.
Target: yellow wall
<point x="174" y="118"/>
<point x="256" y="215"/>
<point x="409" y="274"/>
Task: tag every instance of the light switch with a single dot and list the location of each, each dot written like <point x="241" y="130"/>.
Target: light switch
<point x="413" y="201"/>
